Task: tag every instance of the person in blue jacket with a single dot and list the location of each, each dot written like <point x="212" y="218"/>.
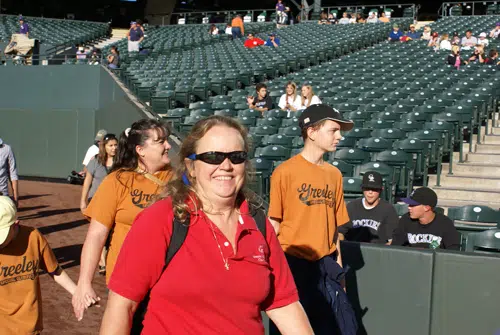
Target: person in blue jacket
<point x="272" y="41"/>
<point x="395" y="34"/>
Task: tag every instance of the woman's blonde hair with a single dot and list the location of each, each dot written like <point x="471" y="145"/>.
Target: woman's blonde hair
<point x="309" y="96"/>
<point x="294" y="86"/>
<point x="455" y="49"/>
<point x="182" y="188"/>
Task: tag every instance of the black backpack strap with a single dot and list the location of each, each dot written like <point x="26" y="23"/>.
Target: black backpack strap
<point x="179" y="233"/>
<point x="260" y="219"/>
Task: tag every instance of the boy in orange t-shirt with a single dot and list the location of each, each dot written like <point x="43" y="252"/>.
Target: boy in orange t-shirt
<point x="307" y="206"/>
<point x="24" y="252"/>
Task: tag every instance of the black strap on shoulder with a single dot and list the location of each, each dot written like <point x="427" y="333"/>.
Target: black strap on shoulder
<point x="260" y="219"/>
<point x="179" y="233"/>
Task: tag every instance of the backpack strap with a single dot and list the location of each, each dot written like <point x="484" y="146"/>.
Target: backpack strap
<point x="179" y="233"/>
<point x="260" y="219"/>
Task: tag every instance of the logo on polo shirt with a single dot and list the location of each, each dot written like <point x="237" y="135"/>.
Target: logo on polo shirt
<point x="261" y="257"/>
<point x="423" y="238"/>
<point x="310" y="195"/>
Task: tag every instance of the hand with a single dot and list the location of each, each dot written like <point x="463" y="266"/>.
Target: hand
<point x="83" y="206"/>
<point x="250" y="100"/>
<point x="83" y="298"/>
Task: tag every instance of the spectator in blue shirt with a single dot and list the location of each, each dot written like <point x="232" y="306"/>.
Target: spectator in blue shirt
<point x="413" y="34"/>
<point x="272" y="41"/>
<point x="135" y="36"/>
<point x="24" y="29"/>
<point x="395" y="34"/>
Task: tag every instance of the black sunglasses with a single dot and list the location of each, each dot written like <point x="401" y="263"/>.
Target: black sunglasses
<point x="217" y="157"/>
<point x="110" y="137"/>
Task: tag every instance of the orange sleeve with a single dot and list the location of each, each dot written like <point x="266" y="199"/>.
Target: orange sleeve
<point x="104" y="204"/>
<point x="48" y="260"/>
<point x="341" y="215"/>
<point x="276" y="196"/>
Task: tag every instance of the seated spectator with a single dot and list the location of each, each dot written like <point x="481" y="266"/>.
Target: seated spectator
<point x="213" y="30"/>
<point x="81" y="54"/>
<point x="478" y="55"/>
<point x="383" y="18"/>
<point x="323" y="19"/>
<point x="372" y="220"/>
<point x="468" y="41"/>
<point x="290" y="101"/>
<point x="94" y="58"/>
<point x="426" y="35"/>
<point x="454" y="58"/>
<point x="262" y="102"/>
<point x="492" y="58"/>
<point x="455" y="39"/>
<point x="422" y="227"/>
<point x="273" y="41"/>
<point x="412" y="33"/>
<point x="228" y="30"/>
<point x="395" y="34"/>
<point x="445" y="43"/>
<point x="114" y="58"/>
<point x="344" y="19"/>
<point x="308" y="97"/>
<point x="332" y="19"/>
<point x="496" y="31"/>
<point x="360" y="18"/>
<point x="253" y="42"/>
<point x="483" y="40"/>
<point x="372" y="18"/>
<point x="434" y="41"/>
<point x="353" y="18"/>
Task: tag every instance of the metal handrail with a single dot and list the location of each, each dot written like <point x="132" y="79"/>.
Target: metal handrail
<point x="383" y="6"/>
<point x="51" y="18"/>
<point x="444" y="8"/>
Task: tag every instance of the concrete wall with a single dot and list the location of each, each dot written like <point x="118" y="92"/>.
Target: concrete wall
<point x="50" y="114"/>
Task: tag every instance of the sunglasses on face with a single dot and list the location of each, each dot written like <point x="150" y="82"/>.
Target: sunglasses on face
<point x="110" y="137"/>
<point x="217" y="157"/>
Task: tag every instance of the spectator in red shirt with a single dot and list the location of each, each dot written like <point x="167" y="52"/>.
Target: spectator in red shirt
<point x="226" y="271"/>
<point x="253" y="42"/>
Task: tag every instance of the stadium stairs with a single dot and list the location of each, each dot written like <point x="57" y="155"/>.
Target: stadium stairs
<point x="116" y="35"/>
<point x="476" y="180"/>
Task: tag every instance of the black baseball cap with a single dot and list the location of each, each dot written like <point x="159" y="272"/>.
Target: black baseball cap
<point x="372" y="180"/>
<point x="422" y="196"/>
<point x="320" y="112"/>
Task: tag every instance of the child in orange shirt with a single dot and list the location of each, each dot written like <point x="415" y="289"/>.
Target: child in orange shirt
<point x="24" y="252"/>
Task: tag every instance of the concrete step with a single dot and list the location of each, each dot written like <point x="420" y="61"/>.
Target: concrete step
<point x="471" y="194"/>
<point x="466" y="180"/>
<point x="487" y="148"/>
<point x="483" y="158"/>
<point x="479" y="170"/>
<point x="445" y="203"/>
<point x="492" y="139"/>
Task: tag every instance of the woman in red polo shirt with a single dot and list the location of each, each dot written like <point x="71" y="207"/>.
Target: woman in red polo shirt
<point x="226" y="271"/>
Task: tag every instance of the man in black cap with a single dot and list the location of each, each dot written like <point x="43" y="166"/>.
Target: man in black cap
<point x="373" y="220"/>
<point x="307" y="207"/>
<point x="422" y="227"/>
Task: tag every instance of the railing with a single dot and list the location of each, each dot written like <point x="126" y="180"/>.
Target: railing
<point x="359" y="8"/>
<point x="469" y="8"/>
<point x="51" y="59"/>
<point x="225" y="15"/>
<point x="50" y="18"/>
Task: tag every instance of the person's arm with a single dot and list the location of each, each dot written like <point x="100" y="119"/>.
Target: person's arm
<point x="85" y="191"/>
<point x="451" y="238"/>
<point x="128" y="34"/>
<point x="13" y="176"/>
<point x="274" y="43"/>
<point x="118" y="316"/>
<point x="62" y="279"/>
<point x="341" y="214"/>
<point x="400" y="237"/>
<point x="142" y="36"/>
<point x="91" y="253"/>
<point x="291" y="319"/>
<point x="251" y="102"/>
<point x="276" y="196"/>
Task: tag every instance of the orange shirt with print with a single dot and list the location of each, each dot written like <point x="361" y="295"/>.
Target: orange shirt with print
<point x="309" y="201"/>
<point x="20" y="295"/>
<point x="118" y="200"/>
<point x="238" y="22"/>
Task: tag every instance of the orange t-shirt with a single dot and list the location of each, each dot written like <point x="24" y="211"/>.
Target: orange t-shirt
<point x="20" y="295"/>
<point x="309" y="201"/>
<point x="237" y="22"/>
<point x="118" y="200"/>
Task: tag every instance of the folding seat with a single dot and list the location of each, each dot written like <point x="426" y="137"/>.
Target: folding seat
<point x="352" y="188"/>
<point x="290" y="131"/>
<point x="351" y="156"/>
<point x="420" y="152"/>
<point x="403" y="164"/>
<point x="378" y="124"/>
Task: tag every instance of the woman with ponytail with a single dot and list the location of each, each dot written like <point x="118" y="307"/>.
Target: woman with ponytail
<point x="141" y="170"/>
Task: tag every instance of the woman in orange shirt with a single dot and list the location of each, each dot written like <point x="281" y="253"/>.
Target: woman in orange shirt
<point x="141" y="170"/>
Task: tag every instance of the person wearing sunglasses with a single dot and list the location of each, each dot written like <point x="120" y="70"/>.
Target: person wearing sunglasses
<point x="97" y="169"/>
<point x="307" y="207"/>
<point x="140" y="171"/>
<point x="226" y="271"/>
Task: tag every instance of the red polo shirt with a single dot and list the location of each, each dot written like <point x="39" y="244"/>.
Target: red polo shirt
<point x="196" y="294"/>
<point x="254" y="42"/>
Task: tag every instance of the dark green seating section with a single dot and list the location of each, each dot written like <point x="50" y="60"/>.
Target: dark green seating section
<point x="54" y="31"/>
<point x="478" y="24"/>
<point x="407" y="291"/>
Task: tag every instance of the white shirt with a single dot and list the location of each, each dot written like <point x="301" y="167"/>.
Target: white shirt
<point x="229" y="31"/>
<point x="484" y="42"/>
<point x="372" y="20"/>
<point x="215" y="31"/>
<point x="314" y="101"/>
<point x="445" y="45"/>
<point x="294" y="103"/>
<point x="91" y="152"/>
<point x="344" y="20"/>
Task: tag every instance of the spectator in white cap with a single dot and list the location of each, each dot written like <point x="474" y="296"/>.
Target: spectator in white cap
<point x="483" y="40"/>
<point x="94" y="149"/>
<point x="135" y="36"/>
<point x="8" y="172"/>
